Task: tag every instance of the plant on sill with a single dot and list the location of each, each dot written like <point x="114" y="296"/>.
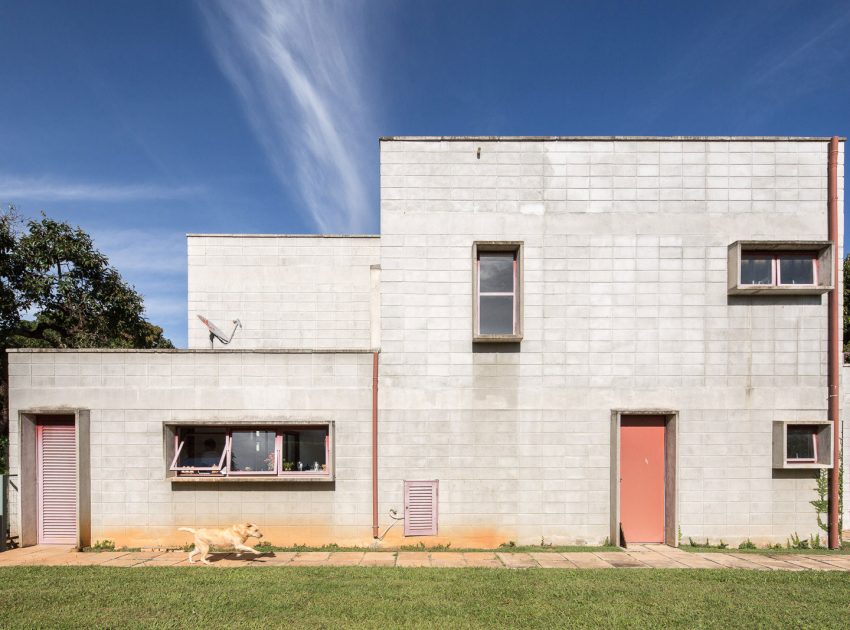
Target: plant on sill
<point x="270" y="462"/>
<point x="287" y="466"/>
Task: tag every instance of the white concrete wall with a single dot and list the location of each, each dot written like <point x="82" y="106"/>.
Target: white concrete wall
<point x="288" y="291"/>
<point x="626" y="307"/>
<point x="131" y="395"/>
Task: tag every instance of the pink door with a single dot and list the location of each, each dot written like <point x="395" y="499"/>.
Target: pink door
<point x="57" y="482"/>
<point x="642" y="478"/>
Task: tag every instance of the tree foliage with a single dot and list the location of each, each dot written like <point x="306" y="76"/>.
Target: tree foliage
<point x="58" y="291"/>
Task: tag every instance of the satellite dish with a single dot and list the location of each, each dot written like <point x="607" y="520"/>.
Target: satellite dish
<point x="218" y="333"/>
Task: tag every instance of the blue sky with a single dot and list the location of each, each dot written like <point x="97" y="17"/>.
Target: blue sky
<point x="142" y="121"/>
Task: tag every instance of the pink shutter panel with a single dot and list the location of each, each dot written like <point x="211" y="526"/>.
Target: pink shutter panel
<point x="57" y="484"/>
<point x="420" y="508"/>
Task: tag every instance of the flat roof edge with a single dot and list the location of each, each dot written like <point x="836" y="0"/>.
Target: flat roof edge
<point x="192" y="350"/>
<point x="202" y="234"/>
<point x="610" y="138"/>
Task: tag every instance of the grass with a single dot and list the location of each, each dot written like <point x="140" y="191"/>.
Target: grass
<point x="423" y="548"/>
<point x="66" y="597"/>
<point x="792" y="550"/>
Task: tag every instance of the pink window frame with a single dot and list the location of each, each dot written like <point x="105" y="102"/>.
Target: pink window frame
<point x="512" y="294"/>
<point x="224" y="467"/>
<point x="178" y="446"/>
<point x="775" y="275"/>
<point x="253" y="473"/>
<point x="308" y="473"/>
<point x="813" y="431"/>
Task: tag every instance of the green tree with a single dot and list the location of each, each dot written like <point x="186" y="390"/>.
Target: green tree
<point x="58" y="291"/>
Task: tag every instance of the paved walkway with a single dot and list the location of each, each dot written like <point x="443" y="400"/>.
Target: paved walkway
<point x="636" y="557"/>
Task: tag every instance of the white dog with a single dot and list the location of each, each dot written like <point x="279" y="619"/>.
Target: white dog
<point x="231" y="537"/>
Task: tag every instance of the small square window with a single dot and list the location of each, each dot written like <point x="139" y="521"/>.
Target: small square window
<point x="802" y="443"/>
<point x="497" y="308"/>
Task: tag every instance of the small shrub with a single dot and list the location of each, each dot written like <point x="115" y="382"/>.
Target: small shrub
<point x="795" y="543"/>
<point x="508" y="544"/>
<point x="102" y="545"/>
<point x="543" y="542"/>
<point x="816" y="542"/>
<point x="747" y="544"/>
<point x="722" y="545"/>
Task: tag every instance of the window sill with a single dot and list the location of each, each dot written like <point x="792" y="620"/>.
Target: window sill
<point x="258" y="479"/>
<point x="771" y="289"/>
<point x="496" y="338"/>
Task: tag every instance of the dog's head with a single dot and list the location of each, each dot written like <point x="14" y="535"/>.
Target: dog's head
<point x="248" y="530"/>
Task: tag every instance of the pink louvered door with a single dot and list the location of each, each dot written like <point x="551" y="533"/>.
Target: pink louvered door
<point x="57" y="483"/>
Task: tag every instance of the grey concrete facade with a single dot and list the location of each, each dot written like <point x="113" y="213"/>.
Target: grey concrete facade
<point x="625" y="309"/>
<point x="288" y="291"/>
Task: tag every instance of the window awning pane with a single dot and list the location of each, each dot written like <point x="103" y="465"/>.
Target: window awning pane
<point x="202" y="447"/>
<point x="496" y="315"/>
<point x="496" y="272"/>
<point x="796" y="270"/>
<point x="756" y="269"/>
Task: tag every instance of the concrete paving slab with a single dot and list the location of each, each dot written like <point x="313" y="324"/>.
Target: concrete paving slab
<point x="378" y="559"/>
<point x="731" y="562"/>
<point x="550" y="560"/>
<point x="806" y="562"/>
<point x="482" y="559"/>
<point x="345" y="558"/>
<point x="654" y="560"/>
<point x="517" y="560"/>
<point x="413" y="559"/>
<point x="842" y="562"/>
<point x="310" y="558"/>
<point x="767" y="561"/>
<point x="448" y="559"/>
<point x="584" y="560"/>
<point x="620" y="560"/>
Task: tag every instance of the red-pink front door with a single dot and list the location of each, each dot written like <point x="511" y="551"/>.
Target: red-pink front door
<point x="57" y="481"/>
<point x="642" y="478"/>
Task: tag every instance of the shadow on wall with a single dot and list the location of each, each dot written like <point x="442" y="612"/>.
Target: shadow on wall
<point x="247" y="486"/>
<point x="774" y="300"/>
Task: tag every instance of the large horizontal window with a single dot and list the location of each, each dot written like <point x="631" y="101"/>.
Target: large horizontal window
<point x="293" y="451"/>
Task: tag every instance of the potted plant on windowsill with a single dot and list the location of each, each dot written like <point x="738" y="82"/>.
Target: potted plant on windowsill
<point x="287" y="466"/>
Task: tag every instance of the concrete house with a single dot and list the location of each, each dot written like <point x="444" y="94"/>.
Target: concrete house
<point x="558" y="339"/>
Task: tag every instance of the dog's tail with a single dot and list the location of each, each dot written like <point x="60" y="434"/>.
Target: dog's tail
<point x="186" y="529"/>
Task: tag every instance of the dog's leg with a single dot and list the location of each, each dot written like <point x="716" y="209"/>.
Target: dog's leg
<point x="205" y="550"/>
<point x="192" y="554"/>
<point x="247" y="548"/>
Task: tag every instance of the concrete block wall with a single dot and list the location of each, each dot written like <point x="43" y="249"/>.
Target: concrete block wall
<point x="131" y="394"/>
<point x="288" y="291"/>
<point x="626" y="307"/>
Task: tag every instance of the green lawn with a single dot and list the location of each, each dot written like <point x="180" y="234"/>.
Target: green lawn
<point x="201" y="597"/>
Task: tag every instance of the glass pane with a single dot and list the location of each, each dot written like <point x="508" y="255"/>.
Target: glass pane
<point x="756" y="269"/>
<point x="801" y="443"/>
<point x="497" y="272"/>
<point x="252" y="451"/>
<point x="496" y="315"/>
<point x="796" y="269"/>
<point x="304" y="450"/>
<point x="202" y="447"/>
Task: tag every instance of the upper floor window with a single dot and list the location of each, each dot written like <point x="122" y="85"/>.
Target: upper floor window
<point x="778" y="268"/>
<point x="497" y="291"/>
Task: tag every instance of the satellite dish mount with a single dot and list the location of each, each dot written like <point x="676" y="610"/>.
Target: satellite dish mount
<point x="217" y="333"/>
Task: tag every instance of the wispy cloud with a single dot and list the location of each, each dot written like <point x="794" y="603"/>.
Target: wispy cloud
<point x="14" y="189"/>
<point x="297" y="67"/>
